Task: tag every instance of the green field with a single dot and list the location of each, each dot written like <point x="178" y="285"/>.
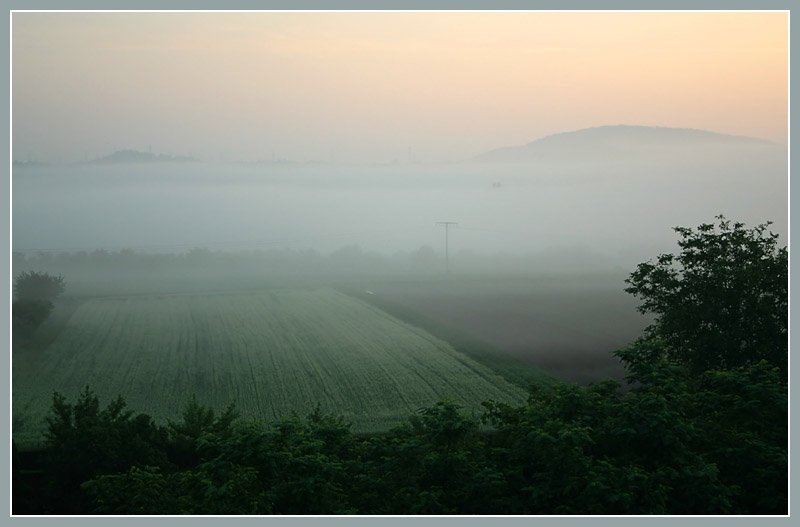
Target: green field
<point x="272" y="353"/>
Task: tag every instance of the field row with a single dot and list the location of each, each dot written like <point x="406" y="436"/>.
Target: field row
<point x="272" y="353"/>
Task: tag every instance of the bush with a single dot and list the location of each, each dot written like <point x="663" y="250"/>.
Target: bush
<point x="34" y="293"/>
<point x="28" y="315"/>
<point x="31" y="285"/>
<point x="84" y="440"/>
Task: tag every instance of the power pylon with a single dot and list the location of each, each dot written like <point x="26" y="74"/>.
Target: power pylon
<point x="447" y="225"/>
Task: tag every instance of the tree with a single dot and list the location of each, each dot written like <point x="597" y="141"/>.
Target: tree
<point x="31" y="285"/>
<point x="34" y="293"/>
<point x="676" y="443"/>
<point x="84" y="440"/>
<point x="196" y="421"/>
<point x="719" y="304"/>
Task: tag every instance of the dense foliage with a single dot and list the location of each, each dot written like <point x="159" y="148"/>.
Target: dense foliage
<point x="31" y="285"/>
<point x="676" y="443"/>
<point x="722" y="301"/>
<point x="34" y="294"/>
<point x="27" y="315"/>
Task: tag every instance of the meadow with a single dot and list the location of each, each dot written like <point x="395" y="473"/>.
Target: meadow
<point x="273" y="353"/>
<point x="567" y="326"/>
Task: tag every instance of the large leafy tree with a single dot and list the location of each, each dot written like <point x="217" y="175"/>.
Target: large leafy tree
<point x="33" y="293"/>
<point x="32" y="285"/>
<point x="718" y="304"/>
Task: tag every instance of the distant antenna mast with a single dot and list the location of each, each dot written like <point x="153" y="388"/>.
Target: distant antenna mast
<point x="447" y="225"/>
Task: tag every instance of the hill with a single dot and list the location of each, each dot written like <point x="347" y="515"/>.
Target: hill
<point x="610" y="142"/>
<point x="135" y="156"/>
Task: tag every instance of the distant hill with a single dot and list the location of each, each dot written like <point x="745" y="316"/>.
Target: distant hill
<point x="623" y="141"/>
<point x="135" y="156"/>
<point x="27" y="164"/>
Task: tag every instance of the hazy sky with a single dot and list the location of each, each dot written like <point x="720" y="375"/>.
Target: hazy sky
<point x="378" y="87"/>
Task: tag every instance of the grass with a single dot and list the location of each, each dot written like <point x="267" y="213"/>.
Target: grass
<point x="512" y="368"/>
<point x="520" y="326"/>
<point x="273" y="353"/>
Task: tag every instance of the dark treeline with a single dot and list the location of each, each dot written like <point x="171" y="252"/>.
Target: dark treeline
<point x="348" y="259"/>
<point x="127" y="271"/>
<point x="672" y="443"/>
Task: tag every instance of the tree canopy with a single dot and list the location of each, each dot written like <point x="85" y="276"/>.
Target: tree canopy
<point x="32" y="285"/>
<point x="33" y="293"/>
<point x="721" y="302"/>
<point x="675" y="444"/>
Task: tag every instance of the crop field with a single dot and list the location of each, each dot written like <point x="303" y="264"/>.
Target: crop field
<point x="565" y="326"/>
<point x="273" y="353"/>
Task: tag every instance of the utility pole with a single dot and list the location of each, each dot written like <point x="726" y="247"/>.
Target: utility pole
<point x="447" y="225"/>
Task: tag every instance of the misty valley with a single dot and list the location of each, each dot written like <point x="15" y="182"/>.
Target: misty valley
<point x="306" y="338"/>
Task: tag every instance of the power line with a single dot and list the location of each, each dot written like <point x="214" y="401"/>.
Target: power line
<point x="495" y="231"/>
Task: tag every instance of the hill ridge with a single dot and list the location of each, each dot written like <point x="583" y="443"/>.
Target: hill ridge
<point x="622" y="137"/>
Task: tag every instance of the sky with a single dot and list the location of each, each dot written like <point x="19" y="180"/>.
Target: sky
<point x="383" y="87"/>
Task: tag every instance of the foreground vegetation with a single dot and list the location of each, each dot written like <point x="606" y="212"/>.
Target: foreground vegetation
<point x="675" y="443"/>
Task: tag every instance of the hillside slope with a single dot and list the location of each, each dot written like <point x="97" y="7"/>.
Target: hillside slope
<point x="639" y="141"/>
<point x="272" y="353"/>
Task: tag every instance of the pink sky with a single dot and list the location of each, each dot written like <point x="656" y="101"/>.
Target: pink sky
<point x="375" y="86"/>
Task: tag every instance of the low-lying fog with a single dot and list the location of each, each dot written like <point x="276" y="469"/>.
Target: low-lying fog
<point x="594" y="215"/>
<point x="538" y="258"/>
